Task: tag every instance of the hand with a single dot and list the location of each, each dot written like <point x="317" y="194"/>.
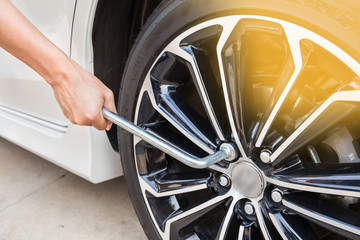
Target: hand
<point x="81" y="97"/>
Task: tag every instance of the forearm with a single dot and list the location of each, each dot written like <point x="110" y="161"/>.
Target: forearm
<point x="23" y="40"/>
<point x="80" y="94"/>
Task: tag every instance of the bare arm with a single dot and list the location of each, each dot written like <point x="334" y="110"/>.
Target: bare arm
<point x="80" y="94"/>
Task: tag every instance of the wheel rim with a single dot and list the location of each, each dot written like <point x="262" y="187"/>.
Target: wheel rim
<point x="290" y="110"/>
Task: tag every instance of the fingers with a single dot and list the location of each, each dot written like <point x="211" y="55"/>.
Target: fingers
<point x="92" y="113"/>
<point x="110" y="105"/>
<point x="109" y="125"/>
<point x="109" y="101"/>
<point x="99" y="122"/>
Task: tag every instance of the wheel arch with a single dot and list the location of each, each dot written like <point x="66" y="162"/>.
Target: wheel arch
<point x="115" y="28"/>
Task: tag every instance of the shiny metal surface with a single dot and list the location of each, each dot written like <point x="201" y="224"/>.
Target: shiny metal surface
<point x="339" y="180"/>
<point x="224" y="180"/>
<point x="180" y="181"/>
<point x="226" y="151"/>
<point x="314" y="155"/>
<point x="276" y="195"/>
<point x="338" y="106"/>
<point x="333" y="218"/>
<point x="249" y="208"/>
<point x="244" y="233"/>
<point x="265" y="156"/>
<point x="204" y="94"/>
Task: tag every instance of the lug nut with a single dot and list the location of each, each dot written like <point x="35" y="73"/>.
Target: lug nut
<point x="249" y="208"/>
<point x="276" y="195"/>
<point x="224" y="180"/>
<point x="265" y="156"/>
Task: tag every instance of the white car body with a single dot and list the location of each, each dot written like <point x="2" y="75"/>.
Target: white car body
<point x="29" y="113"/>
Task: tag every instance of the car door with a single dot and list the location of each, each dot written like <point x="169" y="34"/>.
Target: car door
<point x="54" y="18"/>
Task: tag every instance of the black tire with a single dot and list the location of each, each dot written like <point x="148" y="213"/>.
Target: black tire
<point x="171" y="18"/>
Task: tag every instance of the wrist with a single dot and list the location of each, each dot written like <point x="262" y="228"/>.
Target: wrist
<point x="58" y="70"/>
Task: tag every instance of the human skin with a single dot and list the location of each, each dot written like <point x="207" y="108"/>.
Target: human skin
<point x="80" y="94"/>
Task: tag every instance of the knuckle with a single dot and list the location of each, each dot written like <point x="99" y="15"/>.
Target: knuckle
<point x="92" y="116"/>
<point x="109" y="94"/>
<point x="81" y="120"/>
<point x="67" y="115"/>
<point x="100" y="128"/>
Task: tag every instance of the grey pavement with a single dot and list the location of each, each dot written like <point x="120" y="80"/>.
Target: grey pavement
<point x="39" y="200"/>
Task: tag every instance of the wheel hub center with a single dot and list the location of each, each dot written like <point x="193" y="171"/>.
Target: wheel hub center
<point x="247" y="179"/>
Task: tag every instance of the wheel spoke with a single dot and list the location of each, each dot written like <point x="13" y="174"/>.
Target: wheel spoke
<point x="170" y="110"/>
<point x="340" y="179"/>
<point x="203" y="93"/>
<point x="253" y="70"/>
<point x="163" y="184"/>
<point x="261" y="220"/>
<point x="292" y="227"/>
<point x="264" y="222"/>
<point x="225" y="225"/>
<point x="244" y="233"/>
<point x="269" y="116"/>
<point x="222" y="169"/>
<point x="325" y="214"/>
<point x="334" y="109"/>
<point x="186" y="182"/>
<point x="179" y="220"/>
<point x="169" y="105"/>
<point x="187" y="54"/>
<point x="228" y="26"/>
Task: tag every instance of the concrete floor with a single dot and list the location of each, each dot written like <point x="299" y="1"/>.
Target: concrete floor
<point x="39" y="200"/>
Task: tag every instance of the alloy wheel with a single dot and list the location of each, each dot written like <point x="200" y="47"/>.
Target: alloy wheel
<point x="287" y="98"/>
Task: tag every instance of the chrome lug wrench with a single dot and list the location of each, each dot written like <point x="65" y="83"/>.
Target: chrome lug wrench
<point x="227" y="151"/>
